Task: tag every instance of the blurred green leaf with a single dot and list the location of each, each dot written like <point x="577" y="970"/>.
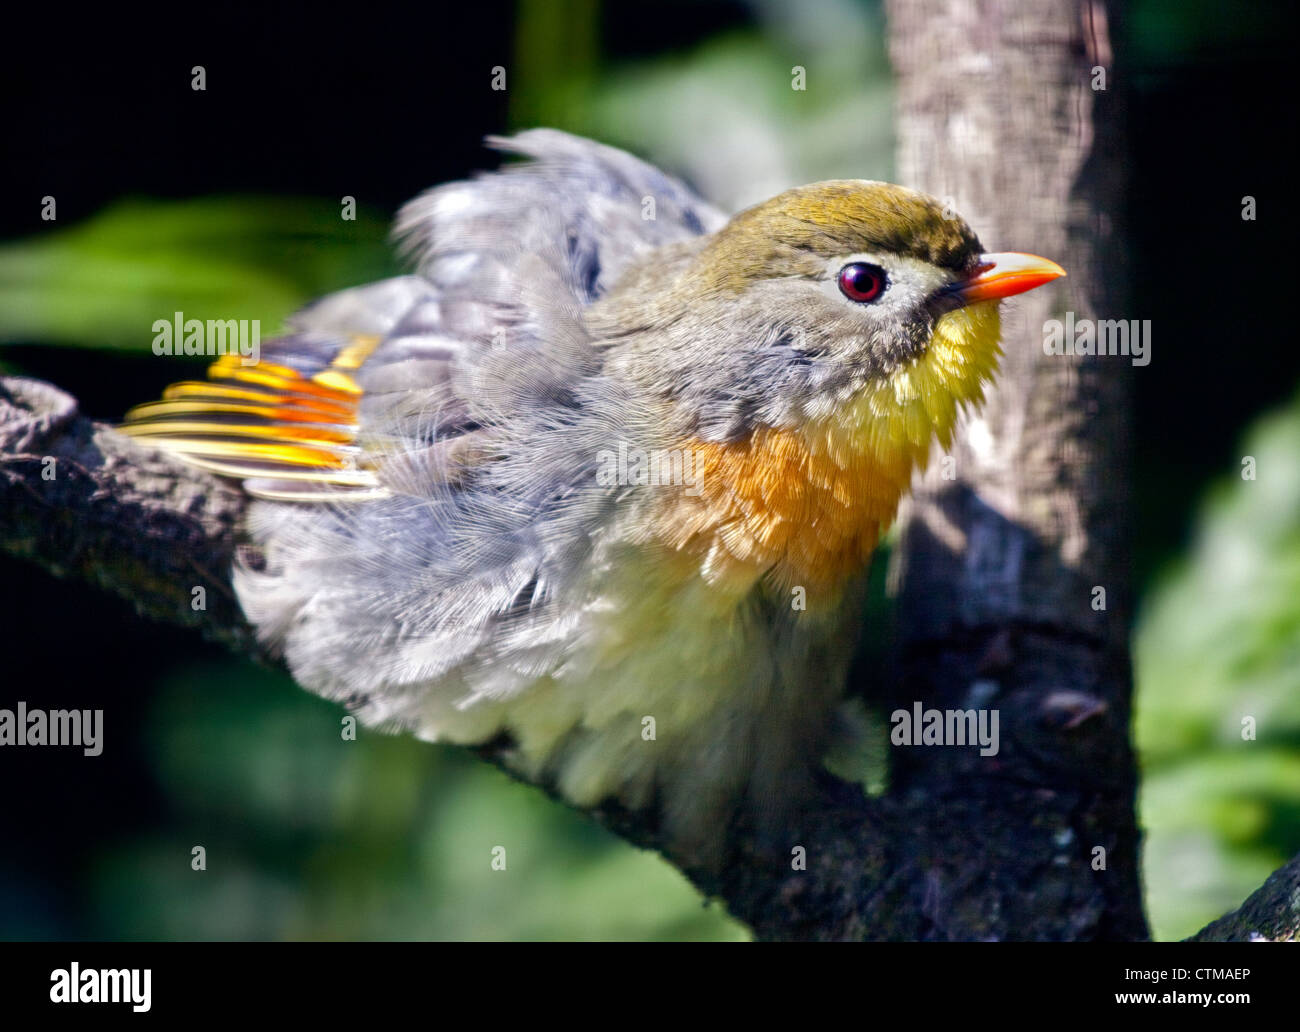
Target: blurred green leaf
<point x="103" y="282"/>
<point x="311" y="836"/>
<point x="1218" y="643"/>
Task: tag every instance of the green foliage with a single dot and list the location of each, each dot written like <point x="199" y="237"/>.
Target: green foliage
<point x="726" y="113"/>
<point x="311" y="836"/>
<point x="103" y="282"/>
<point x="1218" y="643"/>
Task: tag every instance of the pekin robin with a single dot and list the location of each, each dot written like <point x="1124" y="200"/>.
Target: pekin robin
<point x="601" y="479"/>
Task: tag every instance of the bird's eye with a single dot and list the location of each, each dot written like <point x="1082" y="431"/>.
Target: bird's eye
<point x="862" y="282"/>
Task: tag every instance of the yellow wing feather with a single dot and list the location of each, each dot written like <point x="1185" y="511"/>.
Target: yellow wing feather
<point x="288" y="435"/>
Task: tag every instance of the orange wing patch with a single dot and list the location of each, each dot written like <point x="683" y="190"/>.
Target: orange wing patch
<point x="287" y="435"/>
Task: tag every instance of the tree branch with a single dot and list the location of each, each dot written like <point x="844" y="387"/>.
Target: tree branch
<point x="1271" y="913"/>
<point x="88" y="503"/>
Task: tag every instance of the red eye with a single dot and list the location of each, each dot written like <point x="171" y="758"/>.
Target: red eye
<point x="862" y="282"/>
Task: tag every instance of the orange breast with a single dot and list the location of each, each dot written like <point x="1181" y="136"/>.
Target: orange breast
<point x="782" y="501"/>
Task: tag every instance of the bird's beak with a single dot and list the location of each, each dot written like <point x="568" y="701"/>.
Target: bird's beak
<point x="1001" y="275"/>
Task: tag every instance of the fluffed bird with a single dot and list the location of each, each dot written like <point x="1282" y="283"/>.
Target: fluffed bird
<point x="600" y="480"/>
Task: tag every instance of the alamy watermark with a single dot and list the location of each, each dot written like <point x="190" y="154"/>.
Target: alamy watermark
<point x="658" y="467"/>
<point x="75" y="984"/>
<point x="920" y="726"/>
<point x="213" y="338"/>
<point x="1103" y="337"/>
<point x="23" y="726"/>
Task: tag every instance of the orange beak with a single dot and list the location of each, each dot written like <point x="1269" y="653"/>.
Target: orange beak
<point x="1004" y="274"/>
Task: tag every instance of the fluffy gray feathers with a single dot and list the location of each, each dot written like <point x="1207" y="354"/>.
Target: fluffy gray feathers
<point x="469" y="410"/>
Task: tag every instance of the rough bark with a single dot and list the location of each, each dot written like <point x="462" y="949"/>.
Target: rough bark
<point x="998" y="565"/>
<point x="1272" y="913"/>
<point x="88" y="503"/>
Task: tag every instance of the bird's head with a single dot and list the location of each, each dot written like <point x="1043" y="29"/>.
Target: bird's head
<point x="806" y="304"/>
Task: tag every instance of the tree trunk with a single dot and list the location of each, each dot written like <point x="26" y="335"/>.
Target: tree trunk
<point x="1013" y="572"/>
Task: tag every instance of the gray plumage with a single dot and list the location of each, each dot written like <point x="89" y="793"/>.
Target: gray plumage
<point x="479" y="577"/>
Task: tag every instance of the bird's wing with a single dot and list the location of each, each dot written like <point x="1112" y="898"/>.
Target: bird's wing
<point x="489" y="325"/>
<point x="445" y="424"/>
<point x="588" y="208"/>
<point x="289" y="423"/>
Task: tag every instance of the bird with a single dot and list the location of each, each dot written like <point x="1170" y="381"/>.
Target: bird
<point x="598" y="482"/>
